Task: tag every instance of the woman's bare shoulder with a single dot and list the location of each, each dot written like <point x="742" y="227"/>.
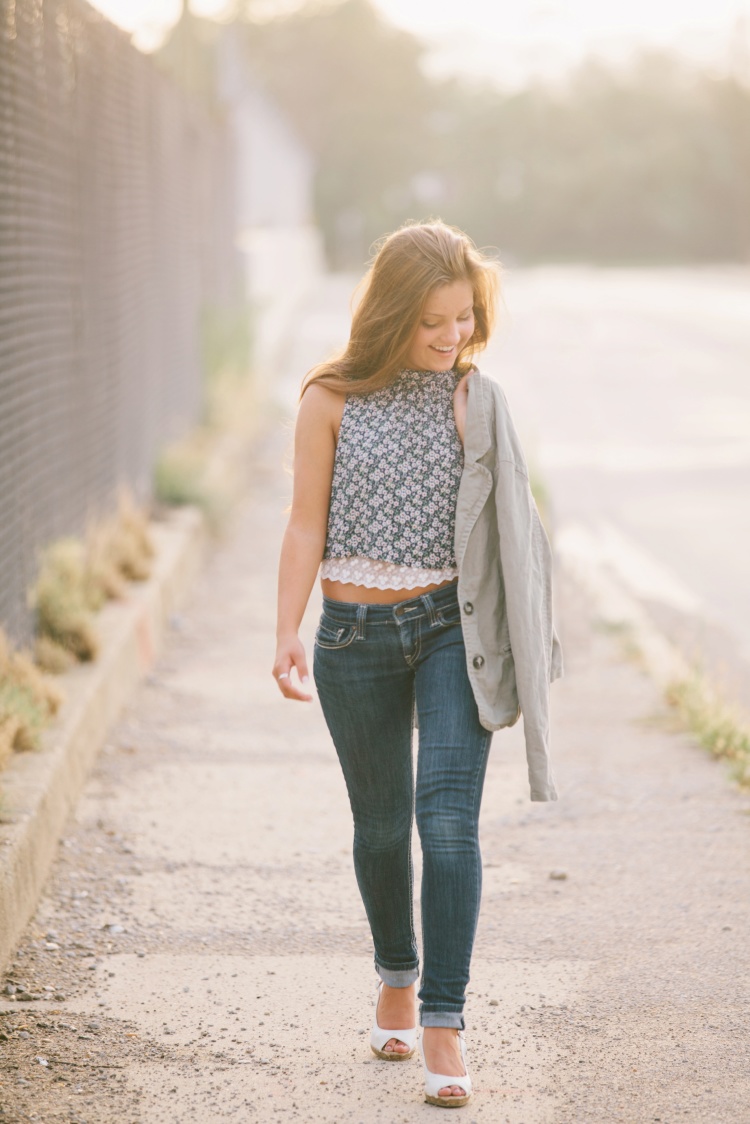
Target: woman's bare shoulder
<point x="321" y="406"/>
<point x="321" y="397"/>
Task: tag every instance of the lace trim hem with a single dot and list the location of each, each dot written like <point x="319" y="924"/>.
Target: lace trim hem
<point x="376" y="574"/>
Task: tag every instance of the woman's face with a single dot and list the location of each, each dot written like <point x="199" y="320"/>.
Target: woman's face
<point x="446" y="325"/>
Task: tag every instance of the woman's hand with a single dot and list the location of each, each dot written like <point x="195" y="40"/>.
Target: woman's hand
<point x="460" y="399"/>
<point x="290" y="653"/>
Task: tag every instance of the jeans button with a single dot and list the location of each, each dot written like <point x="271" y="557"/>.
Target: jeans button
<point x="468" y="608"/>
<point x="478" y="662"/>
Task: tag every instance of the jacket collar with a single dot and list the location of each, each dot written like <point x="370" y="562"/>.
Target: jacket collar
<point x="477" y="435"/>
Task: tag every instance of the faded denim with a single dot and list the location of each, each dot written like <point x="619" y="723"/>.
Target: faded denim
<point x="372" y="665"/>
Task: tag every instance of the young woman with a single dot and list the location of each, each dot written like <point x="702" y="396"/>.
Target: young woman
<point x="411" y="489"/>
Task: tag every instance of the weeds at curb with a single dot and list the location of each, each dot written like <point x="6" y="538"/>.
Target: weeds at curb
<point x="52" y="657"/>
<point x="125" y="544"/>
<point x="715" y="725"/>
<point x="76" y="578"/>
<point x="185" y="473"/>
<point x="695" y="706"/>
<point x="27" y="701"/>
<point x="179" y="478"/>
<point x="622" y="632"/>
<point x="65" y="600"/>
<point x="180" y="481"/>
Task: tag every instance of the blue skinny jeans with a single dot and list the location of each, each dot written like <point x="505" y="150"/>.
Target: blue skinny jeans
<point x="372" y="665"/>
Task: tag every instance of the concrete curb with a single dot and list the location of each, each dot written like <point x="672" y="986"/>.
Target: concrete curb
<point x="41" y="789"/>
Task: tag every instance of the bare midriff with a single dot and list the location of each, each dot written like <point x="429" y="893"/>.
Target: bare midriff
<point x="347" y="591"/>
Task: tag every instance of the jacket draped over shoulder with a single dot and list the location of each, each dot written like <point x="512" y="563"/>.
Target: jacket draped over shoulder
<point x="505" y="582"/>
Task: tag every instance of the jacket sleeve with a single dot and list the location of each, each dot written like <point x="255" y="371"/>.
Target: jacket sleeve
<point x="526" y="561"/>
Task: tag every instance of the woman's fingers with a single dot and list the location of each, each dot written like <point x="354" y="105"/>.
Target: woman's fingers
<point x="282" y="673"/>
<point x="289" y="688"/>
<point x="301" y="664"/>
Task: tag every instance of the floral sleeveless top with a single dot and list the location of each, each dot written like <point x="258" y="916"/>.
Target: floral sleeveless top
<point x="396" y="473"/>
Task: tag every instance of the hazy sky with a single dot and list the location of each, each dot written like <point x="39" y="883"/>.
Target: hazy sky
<point x="509" y="40"/>
<point x="545" y="37"/>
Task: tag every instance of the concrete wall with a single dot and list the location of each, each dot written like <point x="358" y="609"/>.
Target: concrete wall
<point x="281" y="246"/>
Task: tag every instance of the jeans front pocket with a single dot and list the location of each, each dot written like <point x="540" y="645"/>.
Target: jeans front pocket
<point x="450" y="614"/>
<point x="332" y="635"/>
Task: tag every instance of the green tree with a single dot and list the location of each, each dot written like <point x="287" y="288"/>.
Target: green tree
<point x="649" y="163"/>
<point x="354" y="88"/>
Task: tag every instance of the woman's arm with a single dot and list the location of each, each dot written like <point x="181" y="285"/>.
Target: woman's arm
<point x="304" y="540"/>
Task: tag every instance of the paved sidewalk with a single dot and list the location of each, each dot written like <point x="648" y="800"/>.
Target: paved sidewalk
<point x="204" y="933"/>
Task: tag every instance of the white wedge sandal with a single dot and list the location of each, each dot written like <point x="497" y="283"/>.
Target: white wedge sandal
<point x="379" y="1037"/>
<point x="434" y="1082"/>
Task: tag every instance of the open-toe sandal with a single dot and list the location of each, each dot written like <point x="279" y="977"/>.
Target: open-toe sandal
<point x="434" y="1082"/>
<point x="379" y="1037"/>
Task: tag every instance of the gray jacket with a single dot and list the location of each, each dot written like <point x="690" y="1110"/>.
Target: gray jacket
<point x="505" y="582"/>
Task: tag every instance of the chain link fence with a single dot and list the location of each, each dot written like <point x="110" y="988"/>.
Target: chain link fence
<point x="116" y="233"/>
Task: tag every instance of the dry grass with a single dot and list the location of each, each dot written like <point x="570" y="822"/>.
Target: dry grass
<point x="697" y="707"/>
<point x="77" y="577"/>
<point x="52" y="657"/>
<point x="118" y="550"/>
<point x="64" y="599"/>
<point x="132" y="550"/>
<point x="27" y="700"/>
<point x="180" y="479"/>
<point x="185" y="472"/>
<point x="180" y="472"/>
<point x="103" y="578"/>
<point x="716" y="725"/>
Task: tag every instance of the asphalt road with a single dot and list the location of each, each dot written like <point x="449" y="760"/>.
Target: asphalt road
<point x="632" y="389"/>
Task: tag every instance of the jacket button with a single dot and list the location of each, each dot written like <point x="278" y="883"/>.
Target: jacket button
<point x="468" y="608"/>
<point x="478" y="661"/>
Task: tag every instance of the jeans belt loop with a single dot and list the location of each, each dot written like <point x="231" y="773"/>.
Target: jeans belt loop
<point x="430" y="607"/>
<point x="361" y="618"/>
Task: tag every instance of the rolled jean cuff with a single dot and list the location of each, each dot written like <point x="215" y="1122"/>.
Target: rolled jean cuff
<point x="401" y="977"/>
<point x="453" y="1019"/>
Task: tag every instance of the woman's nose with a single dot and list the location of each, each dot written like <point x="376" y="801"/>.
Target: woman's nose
<point x="453" y="334"/>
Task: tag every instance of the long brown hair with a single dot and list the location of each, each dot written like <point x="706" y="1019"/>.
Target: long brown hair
<point x="407" y="266"/>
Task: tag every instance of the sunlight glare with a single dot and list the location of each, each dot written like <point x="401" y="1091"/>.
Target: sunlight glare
<point x="214" y="9"/>
<point x="132" y="15"/>
<point x="588" y="18"/>
<point x="517" y="41"/>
